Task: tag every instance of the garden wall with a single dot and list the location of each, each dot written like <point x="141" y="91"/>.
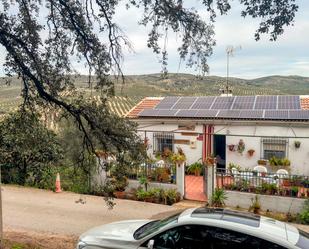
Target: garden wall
<point x="271" y="202"/>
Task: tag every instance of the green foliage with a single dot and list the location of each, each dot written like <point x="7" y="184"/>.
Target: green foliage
<point x="279" y="162"/>
<point x="195" y="168"/>
<point x="234" y="166"/>
<point x="179" y="156"/>
<point x="158" y="195"/>
<point x="27" y="149"/>
<point x="255" y="205"/>
<point x="143" y="180"/>
<point x="218" y="198"/>
<point x="304" y="215"/>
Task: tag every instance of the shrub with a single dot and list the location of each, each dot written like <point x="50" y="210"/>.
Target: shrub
<point x="255" y="205"/>
<point x="304" y="215"/>
<point x="195" y="168"/>
<point x="218" y="198"/>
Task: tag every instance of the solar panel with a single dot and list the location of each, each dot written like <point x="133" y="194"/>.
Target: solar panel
<point x="289" y="102"/>
<point x="184" y="103"/>
<point x="251" y="114"/>
<point x="186" y="113"/>
<point x="157" y="113"/>
<point x="276" y="114"/>
<point x="299" y="114"/>
<point x="148" y="113"/>
<point x="206" y="113"/>
<point x="266" y="102"/>
<point x="243" y="102"/>
<point x="203" y="103"/>
<point x="228" y="114"/>
<point x="223" y="103"/>
<point x="167" y="103"/>
<point x="166" y="113"/>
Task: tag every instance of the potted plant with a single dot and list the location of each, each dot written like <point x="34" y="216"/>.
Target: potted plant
<point x="120" y="185"/>
<point x="294" y="191"/>
<point x="210" y="160"/>
<point x="297" y="144"/>
<point x="255" y="205"/>
<point x="262" y="162"/>
<point x="241" y="146"/>
<point x="178" y="157"/>
<point x="251" y="152"/>
<point x="195" y="168"/>
<point x="231" y="147"/>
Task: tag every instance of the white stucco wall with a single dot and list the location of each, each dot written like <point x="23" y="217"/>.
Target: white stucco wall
<point x="192" y="154"/>
<point x="299" y="157"/>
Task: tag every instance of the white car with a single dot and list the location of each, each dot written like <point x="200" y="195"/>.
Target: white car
<point x="197" y="228"/>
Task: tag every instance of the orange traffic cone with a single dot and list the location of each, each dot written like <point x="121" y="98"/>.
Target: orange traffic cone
<point x="58" y="184"/>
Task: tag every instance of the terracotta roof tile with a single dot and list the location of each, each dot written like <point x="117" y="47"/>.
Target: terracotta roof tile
<point x="304" y="102"/>
<point x="146" y="103"/>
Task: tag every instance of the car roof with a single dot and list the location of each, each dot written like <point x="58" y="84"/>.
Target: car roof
<point x="242" y="222"/>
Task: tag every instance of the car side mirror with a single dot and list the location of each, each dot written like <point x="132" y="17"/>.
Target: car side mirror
<point x="150" y="244"/>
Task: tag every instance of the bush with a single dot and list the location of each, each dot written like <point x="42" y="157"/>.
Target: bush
<point x="218" y="198"/>
<point x="158" y="195"/>
<point x="304" y="215"/>
<point x="255" y="205"/>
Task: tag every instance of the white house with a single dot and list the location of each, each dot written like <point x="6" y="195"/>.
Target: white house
<point x="217" y="125"/>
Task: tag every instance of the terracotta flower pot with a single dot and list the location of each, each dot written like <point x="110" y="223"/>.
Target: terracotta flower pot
<point x="251" y="152"/>
<point x="120" y="194"/>
<point x="231" y="147"/>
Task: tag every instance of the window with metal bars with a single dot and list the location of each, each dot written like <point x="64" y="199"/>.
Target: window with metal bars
<point x="164" y="140"/>
<point x="274" y="147"/>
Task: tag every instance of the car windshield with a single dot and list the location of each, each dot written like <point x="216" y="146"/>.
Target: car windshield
<point x="303" y="241"/>
<point x="153" y="226"/>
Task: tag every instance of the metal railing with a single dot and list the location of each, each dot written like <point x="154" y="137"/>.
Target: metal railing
<point x="263" y="183"/>
<point x="163" y="173"/>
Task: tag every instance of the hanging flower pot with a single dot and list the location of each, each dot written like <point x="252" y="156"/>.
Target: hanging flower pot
<point x="297" y="144"/>
<point x="231" y="147"/>
<point x="251" y="152"/>
<point x="241" y="146"/>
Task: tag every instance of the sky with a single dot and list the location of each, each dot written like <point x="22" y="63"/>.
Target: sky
<point x="289" y="55"/>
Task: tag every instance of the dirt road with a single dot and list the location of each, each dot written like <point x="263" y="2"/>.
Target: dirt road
<point x="45" y="211"/>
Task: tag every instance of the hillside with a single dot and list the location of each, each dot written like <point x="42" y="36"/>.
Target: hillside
<point x="138" y="86"/>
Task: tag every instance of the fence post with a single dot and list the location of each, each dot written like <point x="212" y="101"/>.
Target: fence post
<point x="211" y="180"/>
<point x="180" y="178"/>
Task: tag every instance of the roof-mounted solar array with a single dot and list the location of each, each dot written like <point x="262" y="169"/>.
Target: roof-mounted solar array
<point x="232" y="107"/>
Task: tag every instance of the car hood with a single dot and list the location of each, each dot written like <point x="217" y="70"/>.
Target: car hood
<point x="117" y="233"/>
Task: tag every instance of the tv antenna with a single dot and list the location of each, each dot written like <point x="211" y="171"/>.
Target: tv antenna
<point x="229" y="52"/>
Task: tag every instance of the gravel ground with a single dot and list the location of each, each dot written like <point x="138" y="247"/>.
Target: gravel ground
<point x="43" y="219"/>
<point x="37" y="210"/>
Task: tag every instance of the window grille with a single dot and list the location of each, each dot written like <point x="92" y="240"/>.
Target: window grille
<point x="163" y="141"/>
<point x="274" y="147"/>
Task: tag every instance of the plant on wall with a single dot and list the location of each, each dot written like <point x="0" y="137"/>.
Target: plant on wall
<point x="241" y="146"/>
<point x="231" y="147"/>
<point x="178" y="157"/>
<point x="297" y="144"/>
<point x="251" y="152"/>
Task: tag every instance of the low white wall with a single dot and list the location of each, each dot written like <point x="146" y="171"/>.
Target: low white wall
<point x="135" y="184"/>
<point x="270" y="202"/>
